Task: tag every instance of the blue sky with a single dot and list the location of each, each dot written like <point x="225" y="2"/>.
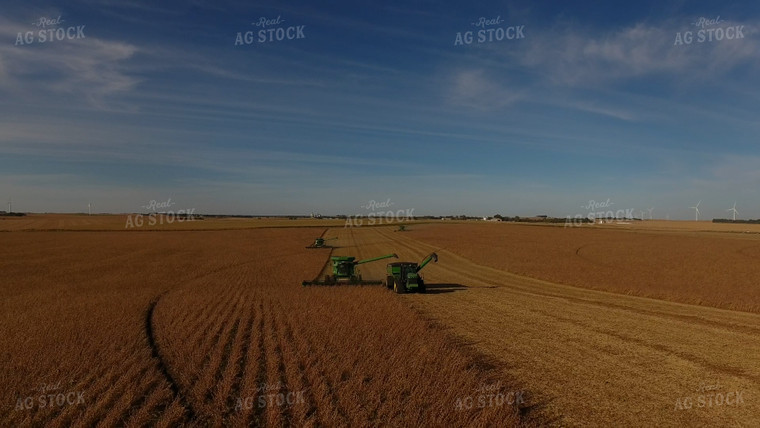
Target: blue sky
<point x="376" y="101"/>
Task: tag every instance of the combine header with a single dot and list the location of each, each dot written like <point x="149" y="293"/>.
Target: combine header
<point x="320" y="243"/>
<point x="404" y="276"/>
<point x="345" y="272"/>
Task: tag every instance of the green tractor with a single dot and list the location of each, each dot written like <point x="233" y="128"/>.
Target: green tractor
<point x="404" y="276"/>
<point x="345" y="272"/>
<point x="320" y="243"/>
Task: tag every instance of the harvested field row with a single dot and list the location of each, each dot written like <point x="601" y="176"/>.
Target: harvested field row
<point x="710" y="269"/>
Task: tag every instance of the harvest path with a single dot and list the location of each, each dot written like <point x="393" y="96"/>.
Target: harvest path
<point x="589" y="357"/>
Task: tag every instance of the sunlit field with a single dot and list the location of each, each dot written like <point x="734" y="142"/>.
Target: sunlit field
<point x="213" y="326"/>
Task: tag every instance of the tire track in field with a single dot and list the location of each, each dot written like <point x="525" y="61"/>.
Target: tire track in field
<point x="162" y="366"/>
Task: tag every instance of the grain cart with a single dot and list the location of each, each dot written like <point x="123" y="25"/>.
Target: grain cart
<point x="320" y="242"/>
<point x="345" y="272"/>
<point x="404" y="276"/>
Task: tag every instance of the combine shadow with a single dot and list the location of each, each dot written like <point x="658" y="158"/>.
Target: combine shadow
<point x="443" y="288"/>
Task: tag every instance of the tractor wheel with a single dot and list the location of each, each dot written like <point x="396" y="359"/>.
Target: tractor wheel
<point x="421" y="286"/>
<point x="398" y="288"/>
<point x="388" y="282"/>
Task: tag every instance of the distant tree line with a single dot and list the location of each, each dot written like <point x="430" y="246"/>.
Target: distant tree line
<point x="540" y="219"/>
<point x="726" y="220"/>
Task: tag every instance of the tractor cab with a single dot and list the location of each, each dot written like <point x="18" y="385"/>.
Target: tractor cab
<point x="343" y="267"/>
<point x="405" y="277"/>
<point x="402" y="277"/>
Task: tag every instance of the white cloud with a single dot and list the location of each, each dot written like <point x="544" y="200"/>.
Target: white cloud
<point x="572" y="57"/>
<point x="89" y="68"/>
<point x="475" y="89"/>
<point x="616" y="112"/>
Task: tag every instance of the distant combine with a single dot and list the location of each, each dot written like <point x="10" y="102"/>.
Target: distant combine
<point x="320" y="242"/>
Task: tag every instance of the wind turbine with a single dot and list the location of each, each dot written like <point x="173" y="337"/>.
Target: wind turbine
<point x="696" y="210"/>
<point x="9" y="205"/>
<point x="641" y="213"/>
<point x="734" y="210"/>
<point x="89" y="209"/>
<point x="650" y="212"/>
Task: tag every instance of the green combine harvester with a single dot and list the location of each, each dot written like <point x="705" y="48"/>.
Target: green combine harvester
<point x="345" y="272"/>
<point x="405" y="277"/>
<point x="320" y="242"/>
